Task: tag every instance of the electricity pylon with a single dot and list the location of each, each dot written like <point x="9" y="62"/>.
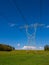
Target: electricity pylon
<point x="31" y="37"/>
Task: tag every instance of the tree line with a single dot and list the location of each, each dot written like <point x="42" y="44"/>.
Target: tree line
<point x="4" y="47"/>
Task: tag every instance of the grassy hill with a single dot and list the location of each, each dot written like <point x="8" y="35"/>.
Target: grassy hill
<point x="23" y="57"/>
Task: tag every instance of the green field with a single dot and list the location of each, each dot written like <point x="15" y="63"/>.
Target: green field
<point x="23" y="57"/>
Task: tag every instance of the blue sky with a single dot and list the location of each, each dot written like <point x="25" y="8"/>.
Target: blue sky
<point x="16" y="13"/>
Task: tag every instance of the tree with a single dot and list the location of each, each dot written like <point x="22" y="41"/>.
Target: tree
<point x="4" y="47"/>
<point x="46" y="47"/>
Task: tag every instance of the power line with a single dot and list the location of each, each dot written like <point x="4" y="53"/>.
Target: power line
<point x="20" y="12"/>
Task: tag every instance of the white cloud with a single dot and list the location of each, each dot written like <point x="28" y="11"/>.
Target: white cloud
<point x="18" y="44"/>
<point x="29" y="48"/>
<point x="47" y="26"/>
<point x="32" y="48"/>
<point x="12" y="24"/>
<point x="40" y="48"/>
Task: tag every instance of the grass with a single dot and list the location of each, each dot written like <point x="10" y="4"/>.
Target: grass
<point x="23" y="57"/>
